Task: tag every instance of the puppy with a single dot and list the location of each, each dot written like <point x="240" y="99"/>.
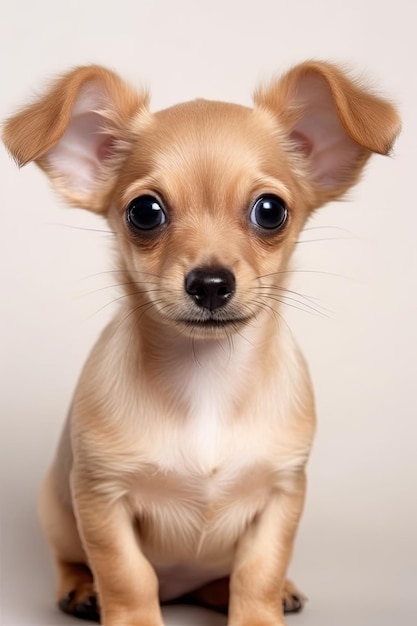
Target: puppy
<point x="180" y="474"/>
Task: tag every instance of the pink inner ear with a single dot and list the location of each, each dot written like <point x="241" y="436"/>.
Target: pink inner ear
<point x="78" y="157"/>
<point x="106" y="149"/>
<point x="320" y="135"/>
<point x="301" y="143"/>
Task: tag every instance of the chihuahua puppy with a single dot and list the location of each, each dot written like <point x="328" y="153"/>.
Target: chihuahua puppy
<point x="180" y="474"/>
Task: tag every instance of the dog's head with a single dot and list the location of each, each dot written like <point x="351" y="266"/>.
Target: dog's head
<point x="206" y="198"/>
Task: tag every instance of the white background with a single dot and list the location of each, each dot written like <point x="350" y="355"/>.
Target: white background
<point x="356" y="555"/>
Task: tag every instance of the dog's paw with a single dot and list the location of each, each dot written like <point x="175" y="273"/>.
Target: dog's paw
<point x="80" y="605"/>
<point x="292" y="599"/>
<point x="77" y="595"/>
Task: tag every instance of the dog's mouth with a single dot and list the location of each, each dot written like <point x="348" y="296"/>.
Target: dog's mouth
<point x="214" y="323"/>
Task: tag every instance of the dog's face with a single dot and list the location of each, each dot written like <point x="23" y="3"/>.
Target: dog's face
<point x="206" y="198"/>
<point x="207" y="209"/>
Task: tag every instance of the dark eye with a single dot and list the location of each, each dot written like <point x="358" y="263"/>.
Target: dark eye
<point x="145" y="213"/>
<point x="269" y="212"/>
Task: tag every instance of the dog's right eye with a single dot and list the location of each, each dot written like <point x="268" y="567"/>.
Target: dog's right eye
<point x="269" y="212"/>
<point x="145" y="213"/>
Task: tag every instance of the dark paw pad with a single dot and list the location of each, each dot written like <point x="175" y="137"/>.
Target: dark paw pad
<point x="292" y="604"/>
<point x="86" y="609"/>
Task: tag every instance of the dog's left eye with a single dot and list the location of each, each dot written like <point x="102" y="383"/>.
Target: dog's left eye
<point x="269" y="212"/>
<point x="145" y="213"/>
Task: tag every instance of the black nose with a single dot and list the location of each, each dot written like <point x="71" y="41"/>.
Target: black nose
<point x="209" y="287"/>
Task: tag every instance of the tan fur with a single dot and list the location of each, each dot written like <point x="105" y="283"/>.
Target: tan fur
<point x="182" y="463"/>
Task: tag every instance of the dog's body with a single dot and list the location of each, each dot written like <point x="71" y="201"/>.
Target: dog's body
<point x="182" y="463"/>
<point x="197" y="469"/>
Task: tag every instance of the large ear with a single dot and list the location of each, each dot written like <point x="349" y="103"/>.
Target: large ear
<point x="78" y="132"/>
<point x="333" y="121"/>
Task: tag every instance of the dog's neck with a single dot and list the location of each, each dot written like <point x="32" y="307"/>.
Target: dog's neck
<point x="202" y="381"/>
<point x="174" y="360"/>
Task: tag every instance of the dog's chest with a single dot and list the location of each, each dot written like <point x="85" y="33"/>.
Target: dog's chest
<point x="205" y="477"/>
<point x="195" y="503"/>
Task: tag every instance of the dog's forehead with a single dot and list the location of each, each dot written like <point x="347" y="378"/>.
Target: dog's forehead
<point x="211" y="140"/>
<point x="205" y="123"/>
<point x="205" y="113"/>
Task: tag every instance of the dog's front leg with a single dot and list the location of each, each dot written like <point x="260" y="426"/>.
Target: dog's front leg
<point x="126" y="582"/>
<point x="262" y="558"/>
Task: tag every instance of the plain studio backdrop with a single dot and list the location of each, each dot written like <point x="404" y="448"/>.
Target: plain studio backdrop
<point x="356" y="554"/>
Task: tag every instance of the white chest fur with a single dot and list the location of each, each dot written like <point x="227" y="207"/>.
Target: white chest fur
<point x="206" y="474"/>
